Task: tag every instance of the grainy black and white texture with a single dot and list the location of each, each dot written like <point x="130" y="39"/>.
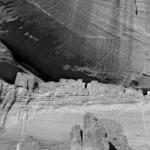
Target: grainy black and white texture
<point x="74" y="74"/>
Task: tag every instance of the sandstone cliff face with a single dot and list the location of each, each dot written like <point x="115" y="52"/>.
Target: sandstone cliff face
<point x="8" y="66"/>
<point x="71" y="92"/>
<point x="31" y="107"/>
<point x="104" y="40"/>
<point x="29" y="89"/>
<point x="107" y="40"/>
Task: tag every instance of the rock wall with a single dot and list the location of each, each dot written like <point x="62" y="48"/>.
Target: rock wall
<point x="8" y="66"/>
<point x="96" y="134"/>
<point x="29" y="91"/>
<point x="70" y="92"/>
<point x="107" y="40"/>
<point x="30" y="96"/>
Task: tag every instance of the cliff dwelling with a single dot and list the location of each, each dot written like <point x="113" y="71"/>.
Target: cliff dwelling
<point x="74" y="74"/>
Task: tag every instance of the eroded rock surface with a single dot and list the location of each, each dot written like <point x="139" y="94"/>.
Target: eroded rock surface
<point x="29" y="89"/>
<point x="8" y="66"/>
<point x="30" y="97"/>
<point x="107" y="40"/>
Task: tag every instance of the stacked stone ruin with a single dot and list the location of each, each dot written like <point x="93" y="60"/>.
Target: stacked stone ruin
<point x="98" y="134"/>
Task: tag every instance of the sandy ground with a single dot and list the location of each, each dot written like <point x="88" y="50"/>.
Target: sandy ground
<point x="55" y="124"/>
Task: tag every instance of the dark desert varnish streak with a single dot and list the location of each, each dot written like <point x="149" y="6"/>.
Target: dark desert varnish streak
<point x="45" y="47"/>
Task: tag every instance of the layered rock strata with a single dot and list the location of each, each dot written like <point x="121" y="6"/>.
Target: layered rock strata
<point x="30" y="96"/>
<point x="30" y="89"/>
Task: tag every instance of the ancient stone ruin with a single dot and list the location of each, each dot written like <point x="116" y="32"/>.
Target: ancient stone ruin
<point x="98" y="134"/>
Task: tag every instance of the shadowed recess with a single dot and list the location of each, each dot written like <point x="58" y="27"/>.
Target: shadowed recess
<point x="58" y="39"/>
